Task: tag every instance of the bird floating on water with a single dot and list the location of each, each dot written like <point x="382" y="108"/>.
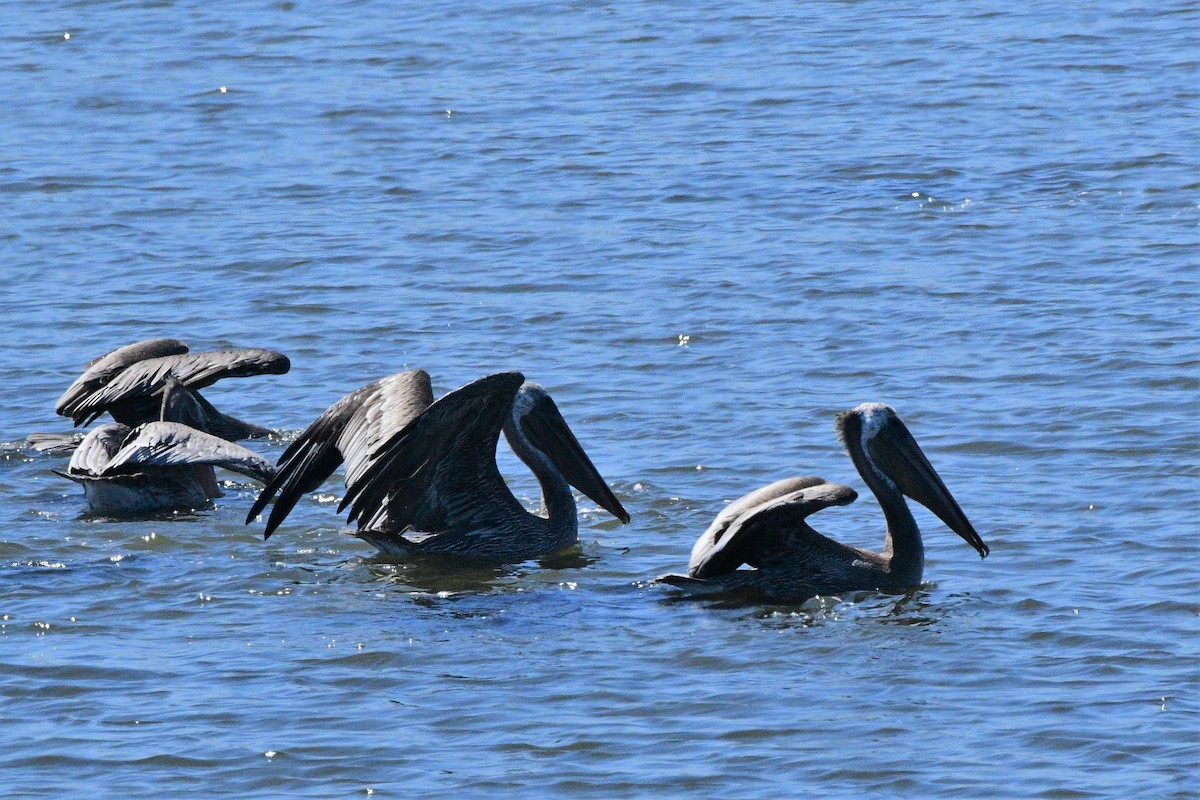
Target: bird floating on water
<point x="767" y="528"/>
<point x="127" y="383"/>
<point x="158" y="466"/>
<point x="421" y="477"/>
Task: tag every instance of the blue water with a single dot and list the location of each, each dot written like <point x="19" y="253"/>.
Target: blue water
<point x="705" y="228"/>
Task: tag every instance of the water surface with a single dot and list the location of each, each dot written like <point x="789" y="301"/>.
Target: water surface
<point x="705" y="229"/>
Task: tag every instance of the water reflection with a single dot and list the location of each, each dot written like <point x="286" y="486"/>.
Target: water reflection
<point x="913" y="608"/>
<point x="447" y="576"/>
<point x="917" y="607"/>
<point x="178" y="515"/>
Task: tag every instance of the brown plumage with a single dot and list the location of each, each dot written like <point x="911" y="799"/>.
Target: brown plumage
<point x="768" y="529"/>
<point x="428" y="483"/>
<point x="127" y="383"/>
<point x="158" y="466"/>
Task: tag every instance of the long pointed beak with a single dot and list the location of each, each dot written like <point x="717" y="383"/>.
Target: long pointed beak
<point x="548" y="431"/>
<point x="908" y="467"/>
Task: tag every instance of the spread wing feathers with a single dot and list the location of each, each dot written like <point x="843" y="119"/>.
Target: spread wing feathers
<point x="711" y="537"/>
<point x="774" y="532"/>
<point x="172" y="444"/>
<point x="194" y="370"/>
<point x="401" y="399"/>
<point x="431" y="476"/>
<point x="103" y="369"/>
<point x="350" y="430"/>
<point x="97" y="449"/>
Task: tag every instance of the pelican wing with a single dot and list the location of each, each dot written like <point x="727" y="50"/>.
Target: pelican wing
<point x="97" y="449"/>
<point x="430" y="476"/>
<point x="772" y="530"/>
<point x="53" y="443"/>
<point x="350" y="430"/>
<point x="759" y="497"/>
<point x="173" y="444"/>
<point x="132" y="386"/>
<point x="103" y="369"/>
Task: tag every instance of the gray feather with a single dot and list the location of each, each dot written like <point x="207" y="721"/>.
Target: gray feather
<point x="350" y="430"/>
<point x="172" y="444"/>
<point x="767" y="530"/>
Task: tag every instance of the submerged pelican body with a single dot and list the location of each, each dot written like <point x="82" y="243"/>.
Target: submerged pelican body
<point x="421" y="476"/>
<point x="158" y="466"/>
<point x="767" y="529"/>
<point x="127" y="384"/>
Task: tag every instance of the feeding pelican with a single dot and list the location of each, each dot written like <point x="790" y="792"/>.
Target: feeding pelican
<point x="421" y="477"/>
<point x="127" y="384"/>
<point x="767" y="530"/>
<point x="158" y="466"/>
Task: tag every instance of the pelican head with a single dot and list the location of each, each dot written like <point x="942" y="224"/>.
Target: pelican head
<point x="881" y="446"/>
<point x="536" y="419"/>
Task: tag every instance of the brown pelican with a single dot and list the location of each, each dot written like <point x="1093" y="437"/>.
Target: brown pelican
<point x="128" y="381"/>
<point x="158" y="466"/>
<point x="421" y="477"/>
<point x="767" y="530"/>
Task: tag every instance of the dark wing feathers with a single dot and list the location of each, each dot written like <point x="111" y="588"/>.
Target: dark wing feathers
<point x="132" y="353"/>
<point x="401" y="398"/>
<point x="173" y="444"/>
<point x="428" y="476"/>
<point x="194" y="370"/>
<point x="199" y="370"/>
<point x="349" y="430"/>
<point x="103" y="369"/>
<point x="779" y="534"/>
<point x="758" y="497"/>
<point x="773" y="531"/>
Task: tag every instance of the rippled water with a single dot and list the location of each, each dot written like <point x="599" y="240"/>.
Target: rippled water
<point x="705" y="228"/>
